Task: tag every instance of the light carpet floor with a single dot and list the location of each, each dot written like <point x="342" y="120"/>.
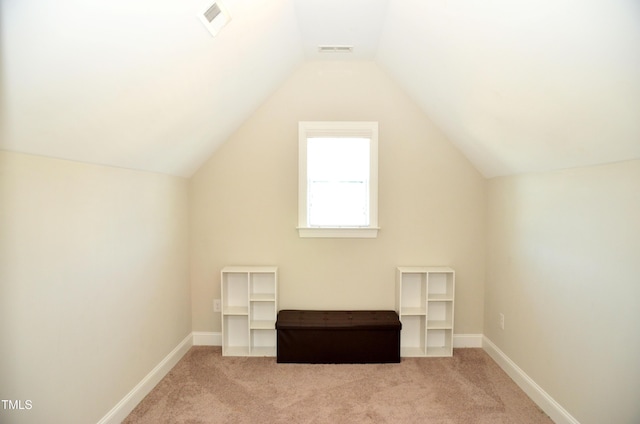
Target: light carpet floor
<point x="206" y="387"/>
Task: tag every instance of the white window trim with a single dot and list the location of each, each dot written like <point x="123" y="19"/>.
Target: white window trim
<point x="308" y="129"/>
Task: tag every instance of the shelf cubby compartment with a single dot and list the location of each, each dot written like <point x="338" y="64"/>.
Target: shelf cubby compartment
<point x="235" y="292"/>
<point x="413" y="296"/>
<point x="263" y="315"/>
<point x="412" y="336"/>
<point x="263" y="342"/>
<point x="440" y="314"/>
<point x="440" y="285"/>
<point x="439" y="342"/>
<point x="262" y="286"/>
<point x="235" y="335"/>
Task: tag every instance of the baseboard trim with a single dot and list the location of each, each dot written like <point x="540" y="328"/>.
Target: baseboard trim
<point x="207" y="338"/>
<point x="558" y="414"/>
<point x="119" y="412"/>
<point x="467" y="340"/>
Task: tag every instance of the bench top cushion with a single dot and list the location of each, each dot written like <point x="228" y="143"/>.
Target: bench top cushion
<point x="337" y="320"/>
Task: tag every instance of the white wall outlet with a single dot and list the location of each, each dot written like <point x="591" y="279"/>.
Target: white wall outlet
<point x="501" y="320"/>
<point x="216" y="305"/>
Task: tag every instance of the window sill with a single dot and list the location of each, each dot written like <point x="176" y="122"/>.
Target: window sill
<point x="338" y="232"/>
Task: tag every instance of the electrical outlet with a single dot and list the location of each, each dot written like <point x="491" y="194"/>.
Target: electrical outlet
<point x="501" y="320"/>
<point x="216" y="305"/>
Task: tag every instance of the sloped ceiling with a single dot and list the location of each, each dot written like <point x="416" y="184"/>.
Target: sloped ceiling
<point x="523" y="86"/>
<point x="518" y="86"/>
<point x="138" y="83"/>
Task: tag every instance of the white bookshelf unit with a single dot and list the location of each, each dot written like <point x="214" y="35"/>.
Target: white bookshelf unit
<point x="424" y="303"/>
<point x="249" y="309"/>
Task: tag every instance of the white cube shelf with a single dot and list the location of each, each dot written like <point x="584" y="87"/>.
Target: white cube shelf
<point x="249" y="310"/>
<point x="425" y="305"/>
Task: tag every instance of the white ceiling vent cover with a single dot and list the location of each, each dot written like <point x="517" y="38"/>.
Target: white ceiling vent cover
<point x="214" y="16"/>
<point x="335" y="49"/>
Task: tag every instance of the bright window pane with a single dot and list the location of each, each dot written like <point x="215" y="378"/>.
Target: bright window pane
<point x="338" y="204"/>
<point x="338" y="181"/>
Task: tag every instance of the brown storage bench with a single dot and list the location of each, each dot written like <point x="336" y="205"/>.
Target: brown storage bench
<point x="325" y="337"/>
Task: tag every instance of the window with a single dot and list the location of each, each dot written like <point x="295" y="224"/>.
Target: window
<point x="338" y="179"/>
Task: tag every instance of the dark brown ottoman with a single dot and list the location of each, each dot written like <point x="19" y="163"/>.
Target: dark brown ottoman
<point x="338" y="337"/>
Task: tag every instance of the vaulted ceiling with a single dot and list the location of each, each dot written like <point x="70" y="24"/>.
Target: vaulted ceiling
<point x="518" y="86"/>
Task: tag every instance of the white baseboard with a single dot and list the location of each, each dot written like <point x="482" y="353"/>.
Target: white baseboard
<point x="119" y="412"/>
<point x="552" y="408"/>
<point x="467" y="340"/>
<point x="207" y="338"/>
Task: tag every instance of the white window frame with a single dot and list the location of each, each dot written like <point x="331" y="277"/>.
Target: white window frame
<point x="308" y="129"/>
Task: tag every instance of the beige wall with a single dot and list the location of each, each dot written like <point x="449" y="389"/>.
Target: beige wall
<point x="94" y="288"/>
<point x="564" y="267"/>
<point x="431" y="202"/>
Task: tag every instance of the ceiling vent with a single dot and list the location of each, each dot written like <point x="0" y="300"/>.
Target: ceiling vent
<point x="214" y="16"/>
<point x="335" y="49"/>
